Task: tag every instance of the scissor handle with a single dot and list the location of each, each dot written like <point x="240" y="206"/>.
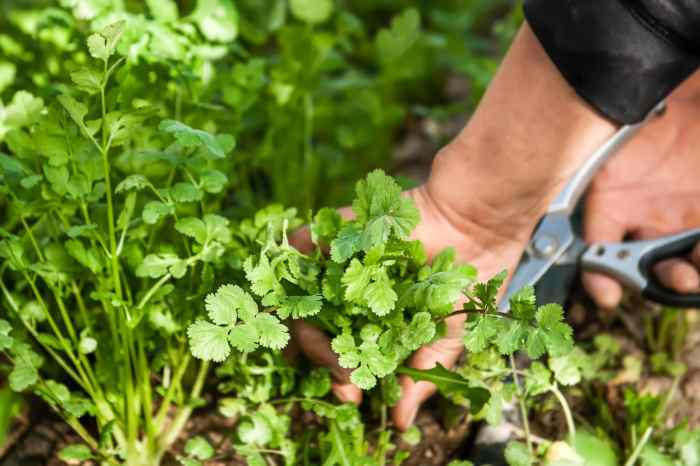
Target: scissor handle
<point x="674" y="246"/>
<point x="632" y="263"/>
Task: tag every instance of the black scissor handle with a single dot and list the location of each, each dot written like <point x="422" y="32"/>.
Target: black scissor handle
<point x="633" y="262"/>
<point x="668" y="247"/>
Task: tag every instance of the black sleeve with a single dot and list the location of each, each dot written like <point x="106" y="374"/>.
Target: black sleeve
<point x="622" y="56"/>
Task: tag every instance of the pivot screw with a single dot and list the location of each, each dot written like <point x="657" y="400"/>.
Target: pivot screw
<point x="545" y="246"/>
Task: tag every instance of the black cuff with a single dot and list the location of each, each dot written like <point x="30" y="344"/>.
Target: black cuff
<point x="614" y="59"/>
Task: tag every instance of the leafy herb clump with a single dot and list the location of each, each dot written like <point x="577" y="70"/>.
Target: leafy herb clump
<point x="375" y="291"/>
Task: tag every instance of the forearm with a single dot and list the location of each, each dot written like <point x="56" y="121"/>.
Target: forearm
<point x="528" y="135"/>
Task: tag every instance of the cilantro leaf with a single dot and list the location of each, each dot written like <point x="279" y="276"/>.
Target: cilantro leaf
<point x="271" y="332"/>
<point x="380" y="295"/>
<point x="347" y="243"/>
<point x="229" y="300"/>
<point x="311" y="11"/>
<point x="192" y="138"/>
<point x="383" y="210"/>
<point x="298" y="307"/>
<point x="208" y="341"/>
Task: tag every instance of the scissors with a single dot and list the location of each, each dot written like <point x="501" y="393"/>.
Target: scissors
<point x="555" y="243"/>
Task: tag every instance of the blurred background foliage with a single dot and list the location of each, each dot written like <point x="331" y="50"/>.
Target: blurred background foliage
<point x="315" y="100"/>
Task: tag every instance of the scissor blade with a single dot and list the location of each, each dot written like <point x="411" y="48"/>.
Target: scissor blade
<point x="554" y="231"/>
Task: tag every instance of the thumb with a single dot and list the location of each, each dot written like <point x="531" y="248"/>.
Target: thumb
<point x="445" y="351"/>
<point x="606" y="292"/>
<point x="317" y="347"/>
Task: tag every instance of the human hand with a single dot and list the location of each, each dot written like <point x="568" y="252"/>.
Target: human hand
<point x="486" y="191"/>
<point x="480" y="236"/>
<point x="651" y="189"/>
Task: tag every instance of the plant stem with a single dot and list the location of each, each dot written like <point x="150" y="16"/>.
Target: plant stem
<point x="32" y="239"/>
<point x="640" y="446"/>
<point x="178" y="424"/>
<point x="110" y="206"/>
<point x="521" y="403"/>
<point x="174" y="383"/>
<point x="567" y="412"/>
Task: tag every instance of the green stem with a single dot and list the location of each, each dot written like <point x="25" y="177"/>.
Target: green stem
<point x="567" y="412"/>
<point x="149" y="294"/>
<point x="640" y="446"/>
<point x="308" y="147"/>
<point x="521" y="403"/>
<point x="179" y="422"/>
<point x="110" y="205"/>
<point x="174" y="383"/>
<point x="32" y="239"/>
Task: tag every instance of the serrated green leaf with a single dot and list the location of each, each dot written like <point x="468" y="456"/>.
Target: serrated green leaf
<point x="271" y="333"/>
<point x="132" y="182"/>
<point x="379" y="294"/>
<point x="186" y="192"/>
<point x="347" y="243"/>
<point x="299" y="307"/>
<point x="244" y="337"/>
<point x="228" y="303"/>
<point x="208" y="341"/>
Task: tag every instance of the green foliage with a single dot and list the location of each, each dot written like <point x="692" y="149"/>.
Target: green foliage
<point x="141" y="144"/>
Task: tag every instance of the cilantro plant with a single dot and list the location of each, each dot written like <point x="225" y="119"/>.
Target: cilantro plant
<point x="100" y="261"/>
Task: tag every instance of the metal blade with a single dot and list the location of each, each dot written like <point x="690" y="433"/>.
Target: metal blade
<point x="550" y="241"/>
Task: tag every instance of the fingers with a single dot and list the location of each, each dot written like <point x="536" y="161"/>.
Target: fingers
<point x="678" y="274"/>
<point x="446" y="352"/>
<point x="317" y="347"/>
<point x="606" y="292"/>
<point x="598" y="227"/>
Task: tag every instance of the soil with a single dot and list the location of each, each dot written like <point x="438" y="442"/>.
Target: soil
<point x="41" y="443"/>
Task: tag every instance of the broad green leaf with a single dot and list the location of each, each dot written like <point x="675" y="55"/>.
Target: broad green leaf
<point x="450" y="383"/>
<point x="76" y="110"/>
<point x="192" y="227"/>
<point x="156" y="210"/>
<point x="133" y="182"/>
<point x="213" y="181"/>
<point x="163" y="10"/>
<point x="186" y="192"/>
<point x="311" y="11"/>
<point x="88" y="80"/>
<point x="75" y="453"/>
<point x="317" y="383"/>
<point x="594" y="450"/>
<point x="189" y="137"/>
<point x="394" y="42"/>
<point x="217" y="19"/>
<point x="198" y="447"/>
<point x="517" y="454"/>
<point x="420" y="331"/>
